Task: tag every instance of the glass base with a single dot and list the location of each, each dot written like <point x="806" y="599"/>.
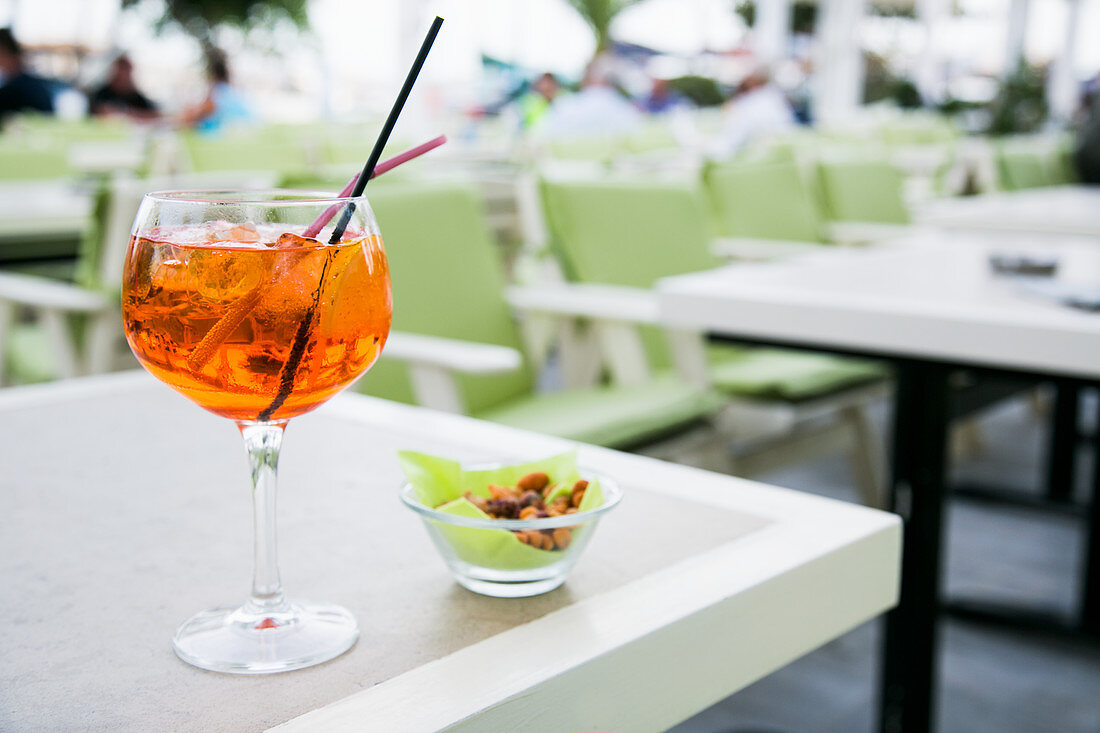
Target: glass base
<point x="249" y="640"/>
<point x="509" y="589"/>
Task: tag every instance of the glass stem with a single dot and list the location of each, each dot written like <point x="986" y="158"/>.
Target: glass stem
<point x="262" y="441"/>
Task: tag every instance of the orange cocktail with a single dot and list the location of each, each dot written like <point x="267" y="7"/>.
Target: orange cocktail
<point x="253" y="323"/>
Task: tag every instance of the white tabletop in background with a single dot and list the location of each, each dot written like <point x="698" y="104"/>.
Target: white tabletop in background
<point x="125" y="509"/>
<point x="42" y="209"/>
<point x="932" y="295"/>
<point x="1071" y="210"/>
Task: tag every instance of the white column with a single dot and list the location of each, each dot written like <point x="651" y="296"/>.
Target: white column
<point x="771" y="30"/>
<point x="1017" y="34"/>
<point x="1062" y="79"/>
<point x="838" y="84"/>
<point x="929" y="71"/>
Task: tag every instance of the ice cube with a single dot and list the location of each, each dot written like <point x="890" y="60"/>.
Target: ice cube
<point x="290" y="239"/>
<point x="245" y="233"/>
<point x="222" y="275"/>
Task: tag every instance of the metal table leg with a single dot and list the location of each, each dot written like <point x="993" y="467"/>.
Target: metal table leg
<point x="1062" y="447"/>
<point x="910" y="643"/>
<point x="1090" y="583"/>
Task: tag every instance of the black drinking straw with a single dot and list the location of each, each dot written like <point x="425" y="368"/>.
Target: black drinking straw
<point x="301" y="337"/>
<point x="384" y="136"/>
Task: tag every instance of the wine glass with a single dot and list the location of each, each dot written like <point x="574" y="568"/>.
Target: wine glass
<point x="225" y="300"/>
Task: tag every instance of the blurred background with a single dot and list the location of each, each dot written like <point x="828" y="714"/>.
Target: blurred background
<point x="614" y="142"/>
<point x="309" y="60"/>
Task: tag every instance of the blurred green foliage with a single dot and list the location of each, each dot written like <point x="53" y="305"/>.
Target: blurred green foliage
<point x="599" y="14"/>
<point x="200" y="17"/>
<point x="881" y="84"/>
<point x="701" y="90"/>
<point x="1020" y="105"/>
<point x="803" y="14"/>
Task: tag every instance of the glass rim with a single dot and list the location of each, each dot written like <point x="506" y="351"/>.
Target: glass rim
<point x="612" y="496"/>
<point x="254" y="196"/>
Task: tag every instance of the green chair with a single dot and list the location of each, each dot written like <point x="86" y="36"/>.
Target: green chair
<point x="248" y="149"/>
<point x="862" y="190"/>
<point x="21" y="162"/>
<point x="632" y="233"/>
<point x="763" y="200"/>
<point x="1021" y="166"/>
<point x="448" y="284"/>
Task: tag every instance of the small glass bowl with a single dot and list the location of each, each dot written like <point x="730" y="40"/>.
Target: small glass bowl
<point x="484" y="555"/>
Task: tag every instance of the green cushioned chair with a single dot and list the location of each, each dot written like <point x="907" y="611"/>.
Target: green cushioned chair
<point x="862" y="190"/>
<point x="448" y="282"/>
<point x="633" y="233"/>
<point x="1020" y="167"/>
<point x="766" y="200"/>
<point x="20" y="162"/>
<point x="248" y="149"/>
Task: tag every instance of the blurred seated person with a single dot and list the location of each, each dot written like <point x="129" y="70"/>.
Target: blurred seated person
<point x="598" y="109"/>
<point x="663" y="98"/>
<point x="20" y="90"/>
<point x="120" y="95"/>
<point x="757" y="109"/>
<point x="1086" y="153"/>
<point x="223" y="106"/>
<point x="535" y="104"/>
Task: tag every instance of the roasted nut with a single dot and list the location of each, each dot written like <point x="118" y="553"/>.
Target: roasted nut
<point x="504" y="508"/>
<point x="500" y="492"/>
<point x="528" y="512"/>
<point x="547" y="541"/>
<point x="576" y="497"/>
<point x="562" y="536"/>
<point x="529" y="498"/>
<point x="523" y="536"/>
<point x="479" y="501"/>
<point x="533" y="482"/>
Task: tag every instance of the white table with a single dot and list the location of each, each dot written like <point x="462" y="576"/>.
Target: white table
<point x="1073" y="210"/>
<point x="126" y="509"/>
<point x="927" y="309"/>
<point x="35" y="215"/>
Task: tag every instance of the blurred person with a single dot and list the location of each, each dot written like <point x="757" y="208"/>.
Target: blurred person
<point x="758" y="108"/>
<point x="119" y="95"/>
<point x="536" y="103"/>
<point x="597" y="109"/>
<point x="224" y="106"/>
<point x="20" y="90"/>
<point x="1086" y="153"/>
<point x="663" y="98"/>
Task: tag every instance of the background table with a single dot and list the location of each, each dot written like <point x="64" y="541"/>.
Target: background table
<point x="928" y="307"/>
<point x="1073" y="210"/>
<point x="41" y="219"/>
<point x="126" y="510"/>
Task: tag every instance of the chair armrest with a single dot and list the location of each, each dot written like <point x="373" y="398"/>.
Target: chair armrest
<point x="43" y="293"/>
<point x="580" y="300"/>
<point x="757" y="248"/>
<point x="865" y="232"/>
<point x="464" y="357"/>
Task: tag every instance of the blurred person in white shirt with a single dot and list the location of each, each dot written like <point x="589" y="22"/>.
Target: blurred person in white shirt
<point x="598" y="109"/>
<point x="757" y="109"/>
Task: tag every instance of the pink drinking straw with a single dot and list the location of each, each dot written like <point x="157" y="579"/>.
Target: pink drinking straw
<point x="386" y="165"/>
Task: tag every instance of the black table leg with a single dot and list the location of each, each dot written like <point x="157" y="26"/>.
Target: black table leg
<point x="1090" y="583"/>
<point x="1062" y="447"/>
<point x="910" y="642"/>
